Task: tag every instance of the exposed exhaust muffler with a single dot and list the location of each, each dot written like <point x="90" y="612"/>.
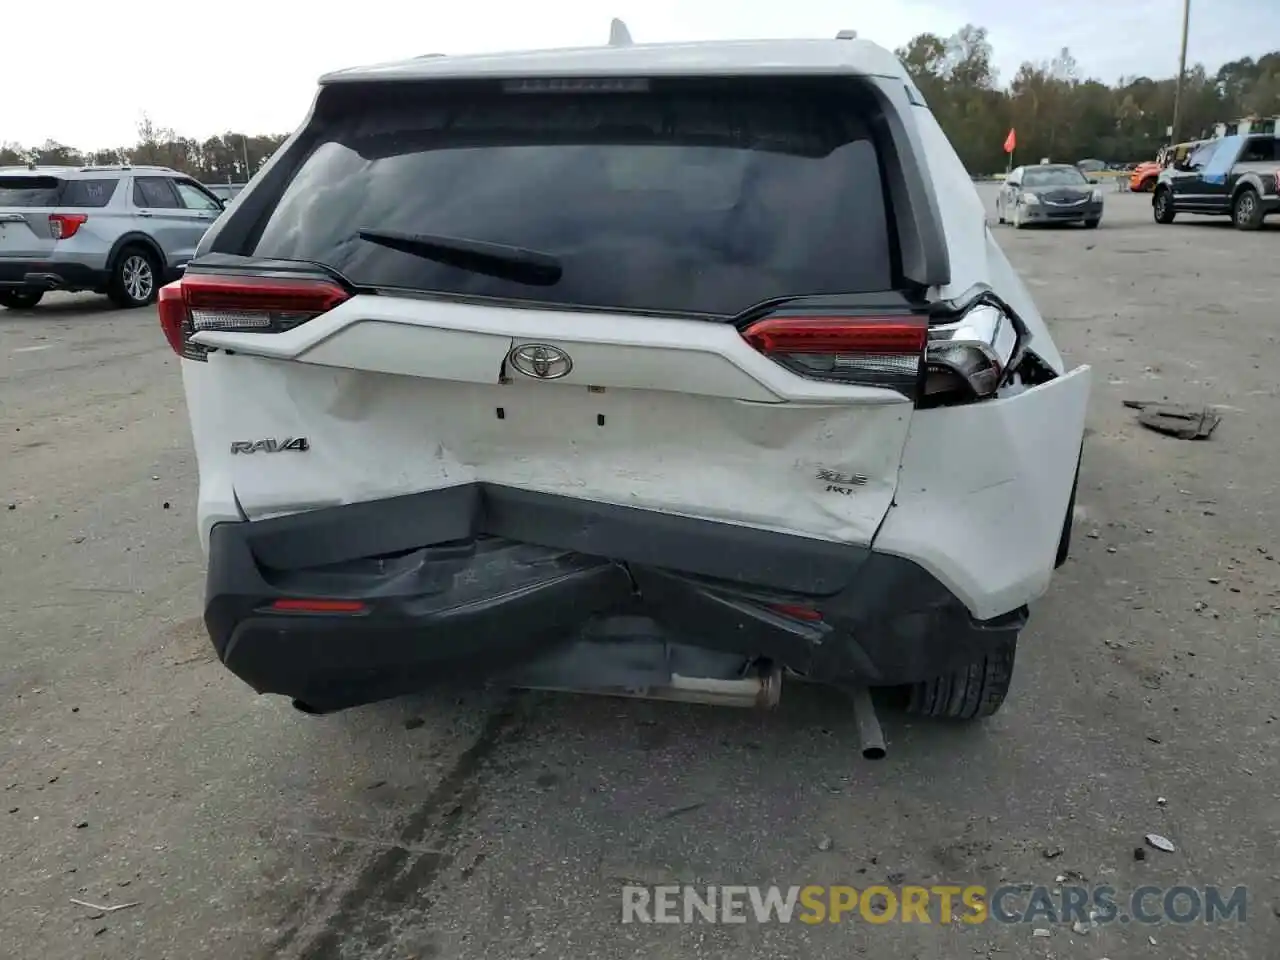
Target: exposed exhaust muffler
<point x="760" y="691"/>
<point x="864" y="717"/>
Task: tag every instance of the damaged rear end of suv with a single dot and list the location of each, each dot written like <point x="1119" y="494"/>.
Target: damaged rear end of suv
<point x="657" y="370"/>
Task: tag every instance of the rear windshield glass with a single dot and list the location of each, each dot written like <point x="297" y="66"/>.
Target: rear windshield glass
<point x="55" y="192"/>
<point x="694" y="197"/>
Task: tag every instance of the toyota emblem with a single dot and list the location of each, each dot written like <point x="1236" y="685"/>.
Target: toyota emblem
<point x="540" y="361"/>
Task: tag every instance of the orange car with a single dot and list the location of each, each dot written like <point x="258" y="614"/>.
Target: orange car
<point x="1144" y="175"/>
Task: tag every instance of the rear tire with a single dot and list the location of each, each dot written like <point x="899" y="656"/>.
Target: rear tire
<point x="1092" y="224"/>
<point x="20" y="299"/>
<point x="970" y="693"/>
<point x="135" y="278"/>
<point x="1162" y="206"/>
<point x="1246" y="211"/>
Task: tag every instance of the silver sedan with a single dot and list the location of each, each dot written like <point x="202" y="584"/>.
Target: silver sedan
<point x="1049" y="193"/>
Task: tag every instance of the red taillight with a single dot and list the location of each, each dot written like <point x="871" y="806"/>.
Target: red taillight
<point x="966" y="358"/>
<point x="63" y="226"/>
<point x="317" y="606"/>
<point x="870" y="351"/>
<point x="237" y="304"/>
<point x="796" y="611"/>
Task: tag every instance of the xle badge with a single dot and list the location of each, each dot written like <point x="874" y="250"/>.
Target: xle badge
<point x="838" y="482"/>
<point x="271" y="445"/>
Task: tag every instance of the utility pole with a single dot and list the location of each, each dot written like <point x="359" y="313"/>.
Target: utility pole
<point x="244" y="144"/>
<point x="1182" y="69"/>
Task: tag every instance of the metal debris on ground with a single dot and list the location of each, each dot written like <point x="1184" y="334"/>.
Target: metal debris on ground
<point x="1176" y="419"/>
<point x="101" y="909"/>
<point x="1161" y="843"/>
<point x="1040" y="932"/>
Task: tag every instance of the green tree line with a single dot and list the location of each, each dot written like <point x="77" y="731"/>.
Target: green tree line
<point x="227" y="158"/>
<point x="1059" y="114"/>
<point x="1056" y="112"/>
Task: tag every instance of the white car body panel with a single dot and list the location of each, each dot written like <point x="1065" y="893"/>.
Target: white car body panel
<point x="975" y="255"/>
<point x="401" y="395"/>
<point x="722" y="58"/>
<point x="983" y="490"/>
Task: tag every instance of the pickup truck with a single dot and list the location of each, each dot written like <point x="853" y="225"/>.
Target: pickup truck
<point x="1234" y="177"/>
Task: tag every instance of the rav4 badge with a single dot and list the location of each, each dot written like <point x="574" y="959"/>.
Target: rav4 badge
<point x="271" y="445"/>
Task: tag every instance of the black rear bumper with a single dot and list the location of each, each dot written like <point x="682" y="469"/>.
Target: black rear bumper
<point x="478" y="581"/>
<point x="45" y="275"/>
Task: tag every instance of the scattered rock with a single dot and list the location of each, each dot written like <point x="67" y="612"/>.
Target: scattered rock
<point x="1162" y="800"/>
<point x="100" y="931"/>
<point x="824" y="844"/>
<point x="165" y="505"/>
<point x="1040" y="932"/>
<point x="78" y="540"/>
<point x="13" y="506"/>
<point x="82" y="824"/>
<point x="1139" y="853"/>
<point x="1094" y="534"/>
<point x="1215" y="579"/>
<point x="1111" y="549"/>
<point x="1053" y="852"/>
<point x="1161" y="843"/>
<point x="1081" y="927"/>
<point x="413" y="723"/>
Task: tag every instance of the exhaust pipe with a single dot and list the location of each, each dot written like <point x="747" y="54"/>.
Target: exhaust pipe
<point x="760" y="692"/>
<point x="864" y="716"/>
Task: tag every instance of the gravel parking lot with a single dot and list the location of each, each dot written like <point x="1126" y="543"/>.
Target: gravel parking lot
<point x="134" y="769"/>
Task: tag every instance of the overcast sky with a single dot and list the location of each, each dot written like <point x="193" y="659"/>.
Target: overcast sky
<point x="251" y="65"/>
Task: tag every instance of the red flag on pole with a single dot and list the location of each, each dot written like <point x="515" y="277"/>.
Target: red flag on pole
<point x="1011" y="141"/>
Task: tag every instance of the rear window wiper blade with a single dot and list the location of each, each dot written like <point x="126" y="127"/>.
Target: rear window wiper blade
<point x="501" y="260"/>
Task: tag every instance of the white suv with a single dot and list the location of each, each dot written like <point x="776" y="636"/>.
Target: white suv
<point x="650" y="367"/>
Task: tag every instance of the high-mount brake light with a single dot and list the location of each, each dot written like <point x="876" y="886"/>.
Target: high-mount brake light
<point x="577" y="85"/>
<point x="240" y="304"/>
<point x="63" y="226"/>
<point x="966" y="359"/>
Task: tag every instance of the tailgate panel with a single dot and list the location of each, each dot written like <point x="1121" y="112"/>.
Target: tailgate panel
<point x="19" y="237"/>
<point x="726" y="435"/>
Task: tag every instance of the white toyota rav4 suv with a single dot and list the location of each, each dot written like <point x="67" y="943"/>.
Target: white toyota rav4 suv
<point x="642" y="368"/>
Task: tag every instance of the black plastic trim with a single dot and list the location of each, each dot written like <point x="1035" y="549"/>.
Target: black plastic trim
<point x="50" y="275"/>
<point x="137" y="239"/>
<point x="477" y="580"/>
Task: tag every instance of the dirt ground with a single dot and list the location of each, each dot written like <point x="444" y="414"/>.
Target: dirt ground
<point x="135" y="769"/>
